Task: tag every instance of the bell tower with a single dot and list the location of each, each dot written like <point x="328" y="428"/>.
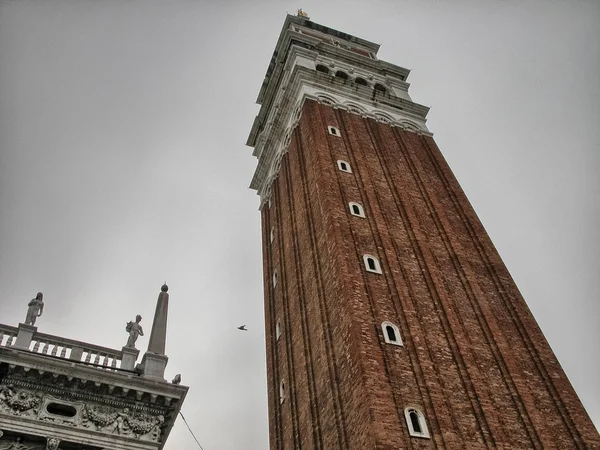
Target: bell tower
<point x="391" y="320"/>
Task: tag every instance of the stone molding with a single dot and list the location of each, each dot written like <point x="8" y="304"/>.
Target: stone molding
<point x="300" y="83"/>
<point x="108" y="407"/>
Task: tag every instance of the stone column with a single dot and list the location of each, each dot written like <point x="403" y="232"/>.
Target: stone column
<point x="24" y="336"/>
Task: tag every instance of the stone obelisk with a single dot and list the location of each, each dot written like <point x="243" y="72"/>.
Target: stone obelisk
<point x="155" y="360"/>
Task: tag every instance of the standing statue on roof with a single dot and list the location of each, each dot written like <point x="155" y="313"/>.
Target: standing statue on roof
<point x="35" y="309"/>
<point x="134" y="329"/>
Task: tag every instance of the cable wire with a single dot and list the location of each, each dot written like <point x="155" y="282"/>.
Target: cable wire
<point x="188" y="427"/>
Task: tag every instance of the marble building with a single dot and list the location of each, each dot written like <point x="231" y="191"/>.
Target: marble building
<point x="59" y="393"/>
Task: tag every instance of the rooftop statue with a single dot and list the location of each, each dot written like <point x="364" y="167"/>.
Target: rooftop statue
<point x="35" y="309"/>
<point x="134" y="329"/>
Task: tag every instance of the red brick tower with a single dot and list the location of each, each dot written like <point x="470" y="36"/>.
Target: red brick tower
<point x="391" y="321"/>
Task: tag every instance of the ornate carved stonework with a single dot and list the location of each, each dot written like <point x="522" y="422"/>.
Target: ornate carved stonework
<point x="19" y="443"/>
<point x="123" y="422"/>
<point x="143" y="424"/>
<point x="46" y="411"/>
<point x="18" y="402"/>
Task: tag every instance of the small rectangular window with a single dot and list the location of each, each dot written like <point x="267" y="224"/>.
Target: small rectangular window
<point x="344" y="166"/>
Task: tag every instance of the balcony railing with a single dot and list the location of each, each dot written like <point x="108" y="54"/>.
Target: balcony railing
<point x="8" y="335"/>
<point x="54" y="346"/>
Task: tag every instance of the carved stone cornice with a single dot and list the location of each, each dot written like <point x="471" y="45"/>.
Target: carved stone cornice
<point x="81" y="402"/>
<point x="55" y="369"/>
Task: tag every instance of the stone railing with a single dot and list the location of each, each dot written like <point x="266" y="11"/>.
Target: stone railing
<point x="26" y="338"/>
<point x="101" y="357"/>
<point x="8" y="335"/>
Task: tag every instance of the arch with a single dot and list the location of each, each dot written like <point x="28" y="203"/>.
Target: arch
<point x="341" y="74"/>
<point x="410" y="125"/>
<point x="361" y="81"/>
<point x="344" y="166"/>
<point x="391" y="333"/>
<point x="372" y="264"/>
<point x="326" y="99"/>
<point x="380" y="88"/>
<point x="322" y="68"/>
<point x="356" y="209"/>
<point x="415" y="420"/>
<point x="383" y="117"/>
<point x="355" y="108"/>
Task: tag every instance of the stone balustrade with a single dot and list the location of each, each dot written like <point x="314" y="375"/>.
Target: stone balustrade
<point x="26" y="338"/>
<point x="8" y="335"/>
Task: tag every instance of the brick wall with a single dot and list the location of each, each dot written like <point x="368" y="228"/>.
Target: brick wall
<point x="474" y="360"/>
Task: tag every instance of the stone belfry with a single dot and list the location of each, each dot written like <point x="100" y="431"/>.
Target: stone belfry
<point x="391" y="320"/>
<point x="61" y="394"/>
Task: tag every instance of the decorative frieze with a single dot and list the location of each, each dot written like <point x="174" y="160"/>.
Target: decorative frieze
<point x="141" y="423"/>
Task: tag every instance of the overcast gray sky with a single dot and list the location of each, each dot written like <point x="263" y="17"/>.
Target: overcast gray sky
<point x="122" y="164"/>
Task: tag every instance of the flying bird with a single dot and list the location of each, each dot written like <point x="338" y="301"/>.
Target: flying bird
<point x="243" y="328"/>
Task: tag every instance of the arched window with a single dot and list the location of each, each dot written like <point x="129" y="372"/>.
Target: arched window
<point x="274" y="278"/>
<point x="380" y="88"/>
<point x="334" y="131"/>
<point x="322" y="68"/>
<point x="415" y="420"/>
<point x="391" y="333"/>
<point x="281" y="391"/>
<point x="356" y="209"/>
<point x="344" y="166"/>
<point x="372" y="264"/>
<point x="361" y="81"/>
<point x="341" y="74"/>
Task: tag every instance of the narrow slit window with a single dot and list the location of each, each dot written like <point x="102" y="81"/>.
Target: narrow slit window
<point x="281" y="391"/>
<point x="415" y="420"/>
<point x="272" y="235"/>
<point x="372" y="264"/>
<point x="274" y="278"/>
<point x="391" y="334"/>
<point x="344" y="166"/>
<point x="278" y="329"/>
<point x="333" y="130"/>
<point x="356" y="209"/>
